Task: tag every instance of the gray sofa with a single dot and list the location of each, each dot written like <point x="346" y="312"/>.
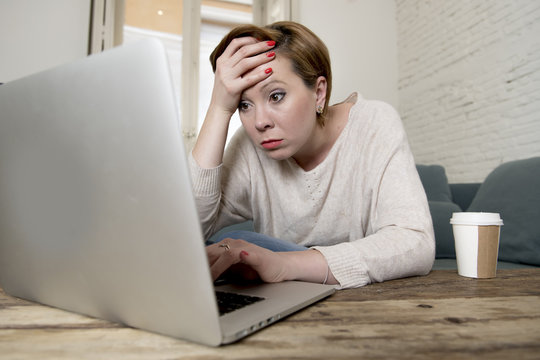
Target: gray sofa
<point x="512" y="189"/>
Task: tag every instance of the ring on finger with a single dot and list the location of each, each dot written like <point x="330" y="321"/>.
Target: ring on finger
<point x="226" y="246"/>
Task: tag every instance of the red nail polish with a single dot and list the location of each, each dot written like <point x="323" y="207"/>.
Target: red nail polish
<point x="270" y="54"/>
<point x="271" y="43"/>
<point x="244" y="253"/>
<point x="268" y="71"/>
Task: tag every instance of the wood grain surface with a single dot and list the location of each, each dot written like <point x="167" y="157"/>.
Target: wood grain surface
<point x="439" y="316"/>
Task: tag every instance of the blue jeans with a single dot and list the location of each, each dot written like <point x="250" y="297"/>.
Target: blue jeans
<point x="261" y="240"/>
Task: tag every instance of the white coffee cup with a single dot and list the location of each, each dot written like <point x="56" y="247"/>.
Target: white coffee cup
<point x="476" y="236"/>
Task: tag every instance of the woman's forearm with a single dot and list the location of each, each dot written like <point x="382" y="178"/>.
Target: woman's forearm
<point x="210" y="146"/>
<point x="309" y="265"/>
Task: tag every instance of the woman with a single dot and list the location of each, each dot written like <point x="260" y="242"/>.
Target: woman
<point x="338" y="183"/>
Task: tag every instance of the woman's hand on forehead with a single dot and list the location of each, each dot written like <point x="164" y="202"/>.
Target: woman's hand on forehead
<point x="243" y="64"/>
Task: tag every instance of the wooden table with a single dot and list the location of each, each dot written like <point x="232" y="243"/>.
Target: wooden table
<point x="439" y="316"/>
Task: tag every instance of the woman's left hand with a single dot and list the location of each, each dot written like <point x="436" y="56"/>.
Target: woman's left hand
<point x="248" y="260"/>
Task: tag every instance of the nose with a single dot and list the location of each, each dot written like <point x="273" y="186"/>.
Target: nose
<point x="263" y="120"/>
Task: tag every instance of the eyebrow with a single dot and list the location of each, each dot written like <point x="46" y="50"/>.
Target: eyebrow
<point x="271" y="83"/>
<point x="262" y="89"/>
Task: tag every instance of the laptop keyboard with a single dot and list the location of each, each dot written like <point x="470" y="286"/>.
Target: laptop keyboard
<point x="228" y="302"/>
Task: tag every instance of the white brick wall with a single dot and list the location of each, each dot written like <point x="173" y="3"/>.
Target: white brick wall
<point x="469" y="82"/>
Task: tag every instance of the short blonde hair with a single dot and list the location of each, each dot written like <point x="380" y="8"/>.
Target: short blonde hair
<point x="308" y="54"/>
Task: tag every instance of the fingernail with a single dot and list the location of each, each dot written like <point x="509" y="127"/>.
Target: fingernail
<point x="270" y="54"/>
<point x="268" y="71"/>
<point x="271" y="43"/>
<point x="244" y="253"/>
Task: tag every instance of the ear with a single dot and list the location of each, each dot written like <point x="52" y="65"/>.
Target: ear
<point x="320" y="90"/>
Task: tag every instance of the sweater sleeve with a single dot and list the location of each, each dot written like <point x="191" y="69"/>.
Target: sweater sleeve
<point x="221" y="193"/>
<point x="399" y="239"/>
<point x="207" y="193"/>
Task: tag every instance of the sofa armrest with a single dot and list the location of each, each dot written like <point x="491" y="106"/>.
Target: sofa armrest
<point x="464" y="193"/>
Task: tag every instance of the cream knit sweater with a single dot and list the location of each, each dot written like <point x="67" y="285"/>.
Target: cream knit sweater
<point x="363" y="207"/>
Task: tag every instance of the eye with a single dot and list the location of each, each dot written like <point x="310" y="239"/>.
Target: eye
<point x="243" y="106"/>
<point x="277" y="96"/>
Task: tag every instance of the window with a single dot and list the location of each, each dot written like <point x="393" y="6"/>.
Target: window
<point x="190" y="30"/>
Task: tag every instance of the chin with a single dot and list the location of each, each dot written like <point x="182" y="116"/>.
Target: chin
<point x="278" y="155"/>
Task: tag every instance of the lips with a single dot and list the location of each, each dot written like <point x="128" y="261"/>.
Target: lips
<point x="271" y="144"/>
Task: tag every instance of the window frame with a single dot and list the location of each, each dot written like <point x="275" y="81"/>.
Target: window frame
<point x="106" y="29"/>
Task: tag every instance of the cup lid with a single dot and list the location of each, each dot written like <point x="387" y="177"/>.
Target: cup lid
<point x="476" y="218"/>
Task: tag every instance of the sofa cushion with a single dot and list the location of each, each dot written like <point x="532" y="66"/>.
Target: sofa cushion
<point x="441" y="207"/>
<point x="435" y="182"/>
<point x="513" y="190"/>
<point x="441" y="212"/>
<point x="464" y="193"/>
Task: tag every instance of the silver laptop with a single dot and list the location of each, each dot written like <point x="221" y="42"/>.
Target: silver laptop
<point x="96" y="210"/>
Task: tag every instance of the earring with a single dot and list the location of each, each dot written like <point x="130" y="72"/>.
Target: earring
<point x="319" y="110"/>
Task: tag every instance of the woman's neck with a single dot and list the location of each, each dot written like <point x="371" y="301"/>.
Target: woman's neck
<point x="324" y="137"/>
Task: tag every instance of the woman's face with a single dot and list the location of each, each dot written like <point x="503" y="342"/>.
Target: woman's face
<point x="279" y="113"/>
